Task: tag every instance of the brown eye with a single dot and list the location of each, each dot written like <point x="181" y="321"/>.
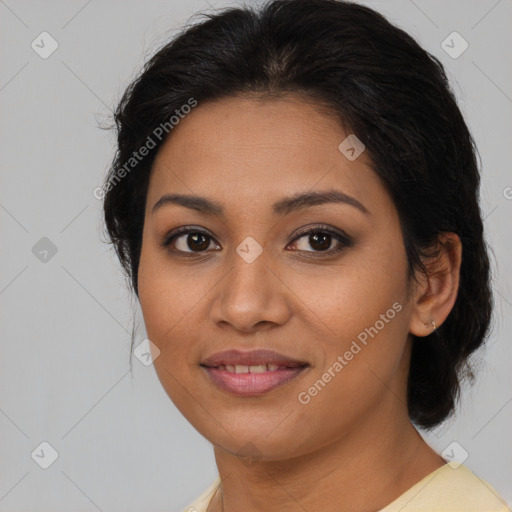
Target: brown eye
<point x="188" y="240"/>
<point x="196" y="241"/>
<point x="320" y="239"/>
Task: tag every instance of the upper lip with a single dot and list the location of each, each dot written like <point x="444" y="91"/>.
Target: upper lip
<point x="251" y="358"/>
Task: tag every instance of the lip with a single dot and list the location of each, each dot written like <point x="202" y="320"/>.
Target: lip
<point x="251" y="358"/>
<point x="251" y="384"/>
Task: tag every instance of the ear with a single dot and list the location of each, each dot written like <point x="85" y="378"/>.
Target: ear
<point x="435" y="295"/>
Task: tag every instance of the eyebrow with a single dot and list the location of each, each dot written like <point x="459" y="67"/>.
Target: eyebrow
<point x="284" y="206"/>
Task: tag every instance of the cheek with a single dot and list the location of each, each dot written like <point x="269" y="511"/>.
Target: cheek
<point x="360" y="369"/>
<point x="167" y="306"/>
<point x="344" y="299"/>
<point x="172" y="301"/>
<point x="159" y="299"/>
<point x="360" y="310"/>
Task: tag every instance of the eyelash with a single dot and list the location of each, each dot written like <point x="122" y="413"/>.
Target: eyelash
<point x="343" y="239"/>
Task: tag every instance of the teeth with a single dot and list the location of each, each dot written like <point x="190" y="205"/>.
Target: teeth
<point x="240" y="368"/>
<point x="258" y="369"/>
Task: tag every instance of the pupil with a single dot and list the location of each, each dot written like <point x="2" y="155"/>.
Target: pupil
<point x="322" y="239"/>
<point x="195" y="237"/>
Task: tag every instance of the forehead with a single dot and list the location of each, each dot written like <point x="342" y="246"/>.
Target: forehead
<point x="234" y="126"/>
<point x="258" y="149"/>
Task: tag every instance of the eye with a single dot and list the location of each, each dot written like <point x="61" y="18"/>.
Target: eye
<point x="188" y="239"/>
<point x="320" y="239"/>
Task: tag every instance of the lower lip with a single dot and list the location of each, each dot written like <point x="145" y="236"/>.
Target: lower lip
<point x="252" y="384"/>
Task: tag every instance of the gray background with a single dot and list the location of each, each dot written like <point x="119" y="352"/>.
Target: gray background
<point x="66" y="321"/>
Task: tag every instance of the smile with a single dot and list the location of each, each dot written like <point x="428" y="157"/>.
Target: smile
<point x="251" y="373"/>
<point x="251" y="380"/>
<point x="260" y="368"/>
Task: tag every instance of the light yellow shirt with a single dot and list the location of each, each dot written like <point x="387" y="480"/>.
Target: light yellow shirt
<point x="447" y="489"/>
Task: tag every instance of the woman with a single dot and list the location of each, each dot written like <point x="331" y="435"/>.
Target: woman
<point x="295" y="202"/>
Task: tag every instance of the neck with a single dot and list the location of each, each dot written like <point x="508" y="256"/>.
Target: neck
<point x="363" y="470"/>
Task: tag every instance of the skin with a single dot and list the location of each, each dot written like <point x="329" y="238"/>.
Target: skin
<point x="352" y="447"/>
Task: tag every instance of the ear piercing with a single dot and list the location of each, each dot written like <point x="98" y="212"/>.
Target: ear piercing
<point x="427" y="324"/>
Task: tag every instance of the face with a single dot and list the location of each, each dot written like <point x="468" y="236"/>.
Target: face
<point x="321" y="282"/>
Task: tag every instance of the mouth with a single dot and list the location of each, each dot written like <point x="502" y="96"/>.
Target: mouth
<point x="251" y="373"/>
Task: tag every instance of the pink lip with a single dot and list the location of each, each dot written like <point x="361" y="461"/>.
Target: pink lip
<point x="251" y="384"/>
<point x="251" y="358"/>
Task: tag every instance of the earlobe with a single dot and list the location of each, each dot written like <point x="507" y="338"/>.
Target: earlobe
<point x="437" y="293"/>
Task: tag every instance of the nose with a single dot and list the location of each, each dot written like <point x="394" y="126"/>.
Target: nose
<point x="251" y="297"/>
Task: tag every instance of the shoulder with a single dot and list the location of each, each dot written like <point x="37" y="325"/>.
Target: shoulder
<point x="200" y="504"/>
<point x="453" y="488"/>
<point x="447" y="488"/>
